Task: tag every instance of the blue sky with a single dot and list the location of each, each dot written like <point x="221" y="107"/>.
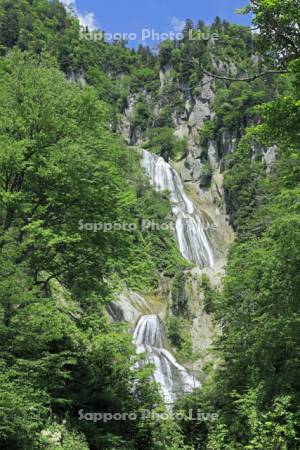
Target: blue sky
<point x="131" y="16"/>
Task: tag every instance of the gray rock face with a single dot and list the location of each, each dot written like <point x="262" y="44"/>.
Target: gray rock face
<point x="206" y="90"/>
<point x="182" y="130"/>
<point x="201" y="110"/>
<point x="125" y="127"/>
<point x="136" y="137"/>
<point x="189" y="161"/>
<point x="224" y="67"/>
<point x="200" y="175"/>
<point x="128" y="307"/>
<point x="228" y="142"/>
<point x="197" y="151"/>
<point x="270" y="157"/>
<point x="200" y="113"/>
<point x="213" y="156"/>
<point x="267" y="155"/>
<point x="186" y="174"/>
<point x="197" y="170"/>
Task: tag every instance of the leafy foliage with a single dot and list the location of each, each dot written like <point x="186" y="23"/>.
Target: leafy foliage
<point x="61" y="164"/>
<point x="163" y="141"/>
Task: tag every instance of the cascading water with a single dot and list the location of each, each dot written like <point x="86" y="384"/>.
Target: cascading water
<point x="192" y="239"/>
<point x="172" y="377"/>
<point x="194" y="245"/>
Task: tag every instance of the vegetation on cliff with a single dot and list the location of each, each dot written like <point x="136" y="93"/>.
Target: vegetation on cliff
<point x="64" y="170"/>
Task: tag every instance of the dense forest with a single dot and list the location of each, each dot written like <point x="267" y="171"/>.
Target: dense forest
<point x="70" y="153"/>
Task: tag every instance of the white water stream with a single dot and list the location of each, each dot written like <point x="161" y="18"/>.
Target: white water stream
<point x="172" y="377"/>
<point x="193" y="242"/>
<point x="194" y="245"/>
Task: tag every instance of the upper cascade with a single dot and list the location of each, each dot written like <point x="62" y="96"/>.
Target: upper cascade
<point x="193" y="242"/>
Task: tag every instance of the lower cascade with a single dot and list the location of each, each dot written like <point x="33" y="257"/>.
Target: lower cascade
<point x="171" y="376"/>
<point x="193" y="242"/>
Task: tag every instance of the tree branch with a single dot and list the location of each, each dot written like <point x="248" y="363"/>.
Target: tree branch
<point x="247" y="79"/>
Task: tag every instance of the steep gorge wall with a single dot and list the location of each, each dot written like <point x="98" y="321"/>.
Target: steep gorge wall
<point x="184" y="303"/>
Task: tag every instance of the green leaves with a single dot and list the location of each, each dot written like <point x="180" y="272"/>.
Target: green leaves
<point x="278" y="23"/>
<point x="61" y="166"/>
<point x="163" y="141"/>
<point x="23" y="411"/>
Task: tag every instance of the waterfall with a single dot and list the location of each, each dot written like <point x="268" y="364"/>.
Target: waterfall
<point x="171" y="376"/>
<point x="192" y="239"/>
<point x="194" y="246"/>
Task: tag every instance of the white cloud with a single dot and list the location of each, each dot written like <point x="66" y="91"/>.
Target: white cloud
<point x="68" y="3"/>
<point x="86" y="19"/>
<point x="177" y="24"/>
